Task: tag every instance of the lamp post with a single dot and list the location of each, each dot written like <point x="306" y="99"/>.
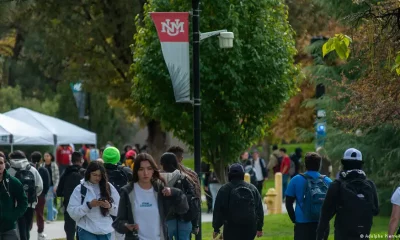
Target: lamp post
<point x="196" y="95"/>
<point x="225" y="41"/>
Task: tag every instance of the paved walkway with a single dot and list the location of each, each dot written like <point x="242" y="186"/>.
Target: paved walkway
<point x="55" y="230"/>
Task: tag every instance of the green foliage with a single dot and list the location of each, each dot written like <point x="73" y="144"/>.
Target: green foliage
<point x="340" y="43"/>
<point x="11" y="98"/>
<point x="396" y="65"/>
<point x="241" y="87"/>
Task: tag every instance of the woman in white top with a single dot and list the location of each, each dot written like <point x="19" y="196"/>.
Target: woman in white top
<point x="92" y="208"/>
<point x="146" y="201"/>
<point x="395" y="218"/>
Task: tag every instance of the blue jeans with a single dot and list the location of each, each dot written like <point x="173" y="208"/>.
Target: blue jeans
<point x="285" y="179"/>
<point x="51" y="210"/>
<point x="183" y="232"/>
<point x="214" y="188"/>
<point x="85" y="235"/>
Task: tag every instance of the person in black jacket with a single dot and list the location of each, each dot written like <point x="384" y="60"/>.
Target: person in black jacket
<point x="296" y="157"/>
<point x="205" y="169"/>
<point x="36" y="157"/>
<point x="352" y="198"/>
<point x="224" y="215"/>
<point x="68" y="181"/>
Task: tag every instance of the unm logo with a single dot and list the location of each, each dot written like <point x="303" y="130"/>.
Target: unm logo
<point x="172" y="28"/>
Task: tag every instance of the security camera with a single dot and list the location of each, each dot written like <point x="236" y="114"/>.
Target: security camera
<point x="226" y="39"/>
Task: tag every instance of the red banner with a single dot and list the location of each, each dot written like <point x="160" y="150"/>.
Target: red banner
<point x="173" y="32"/>
<point x="172" y="26"/>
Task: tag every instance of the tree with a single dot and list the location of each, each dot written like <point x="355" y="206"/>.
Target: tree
<point x="12" y="98"/>
<point x="50" y="54"/>
<point x="241" y="87"/>
<point x="91" y="41"/>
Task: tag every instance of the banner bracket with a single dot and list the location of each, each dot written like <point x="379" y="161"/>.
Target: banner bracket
<point x="211" y="34"/>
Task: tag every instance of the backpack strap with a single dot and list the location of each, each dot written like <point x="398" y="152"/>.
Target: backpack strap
<point x="306" y="176"/>
<point x="83" y="193"/>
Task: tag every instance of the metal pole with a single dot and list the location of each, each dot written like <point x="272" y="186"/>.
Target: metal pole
<point x="196" y="95"/>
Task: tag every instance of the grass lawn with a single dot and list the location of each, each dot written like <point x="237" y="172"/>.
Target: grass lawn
<point x="280" y="227"/>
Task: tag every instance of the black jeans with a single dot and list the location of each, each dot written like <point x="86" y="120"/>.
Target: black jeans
<point x="70" y="226"/>
<point x="260" y="186"/>
<point x="307" y="231"/>
<point x="239" y="232"/>
<point x="341" y="235"/>
<point x="25" y="224"/>
<point x="9" y="235"/>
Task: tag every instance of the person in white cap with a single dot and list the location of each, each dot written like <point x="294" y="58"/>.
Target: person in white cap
<point x="352" y="198"/>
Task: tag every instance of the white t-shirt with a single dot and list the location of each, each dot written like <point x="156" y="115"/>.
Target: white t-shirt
<point x="146" y="213"/>
<point x="396" y="197"/>
<point x="258" y="170"/>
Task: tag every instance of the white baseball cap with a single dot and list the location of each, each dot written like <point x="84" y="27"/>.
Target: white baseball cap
<point x="352" y="154"/>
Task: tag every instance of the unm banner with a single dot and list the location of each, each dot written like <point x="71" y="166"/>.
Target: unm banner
<point x="173" y="32"/>
<point x="80" y="98"/>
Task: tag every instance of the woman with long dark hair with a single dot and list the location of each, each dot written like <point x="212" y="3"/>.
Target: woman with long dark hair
<point x="175" y="174"/>
<point x="145" y="203"/>
<point x="92" y="203"/>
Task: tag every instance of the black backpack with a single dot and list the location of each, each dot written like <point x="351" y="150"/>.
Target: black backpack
<point x="242" y="207"/>
<point x="193" y="201"/>
<point x="253" y="177"/>
<point x="117" y="178"/>
<point x="356" y="206"/>
<point x="27" y="178"/>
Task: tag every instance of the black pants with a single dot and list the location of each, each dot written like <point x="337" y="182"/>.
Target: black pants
<point x="25" y="224"/>
<point x="239" y="233"/>
<point x="341" y="235"/>
<point x="307" y="231"/>
<point x="69" y="226"/>
<point x="209" y="199"/>
<point x="260" y="186"/>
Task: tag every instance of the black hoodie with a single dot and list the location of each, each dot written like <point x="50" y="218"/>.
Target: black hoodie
<point x="68" y="181"/>
<point x="332" y="203"/>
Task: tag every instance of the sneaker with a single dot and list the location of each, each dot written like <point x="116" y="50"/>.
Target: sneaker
<point x="48" y="222"/>
<point x="42" y="236"/>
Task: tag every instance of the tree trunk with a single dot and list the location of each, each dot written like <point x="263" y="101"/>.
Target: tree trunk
<point x="19" y="41"/>
<point x="220" y="169"/>
<point x="157" y="140"/>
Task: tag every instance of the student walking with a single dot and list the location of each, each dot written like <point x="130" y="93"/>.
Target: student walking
<point x="69" y="180"/>
<point x="238" y="208"/>
<point x="180" y="227"/>
<point x="145" y="202"/>
<point x="92" y="204"/>
<point x="260" y="169"/>
<point x="33" y="186"/>
<point x="36" y="158"/>
<point x="13" y="202"/>
<point x="52" y="168"/>
<point x="352" y="198"/>
<point x="308" y="190"/>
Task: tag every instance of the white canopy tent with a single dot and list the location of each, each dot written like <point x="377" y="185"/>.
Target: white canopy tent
<point x="15" y="132"/>
<point x="62" y="132"/>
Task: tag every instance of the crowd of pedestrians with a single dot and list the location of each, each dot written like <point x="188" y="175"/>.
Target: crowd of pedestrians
<point x="102" y="197"/>
<point x="128" y="196"/>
